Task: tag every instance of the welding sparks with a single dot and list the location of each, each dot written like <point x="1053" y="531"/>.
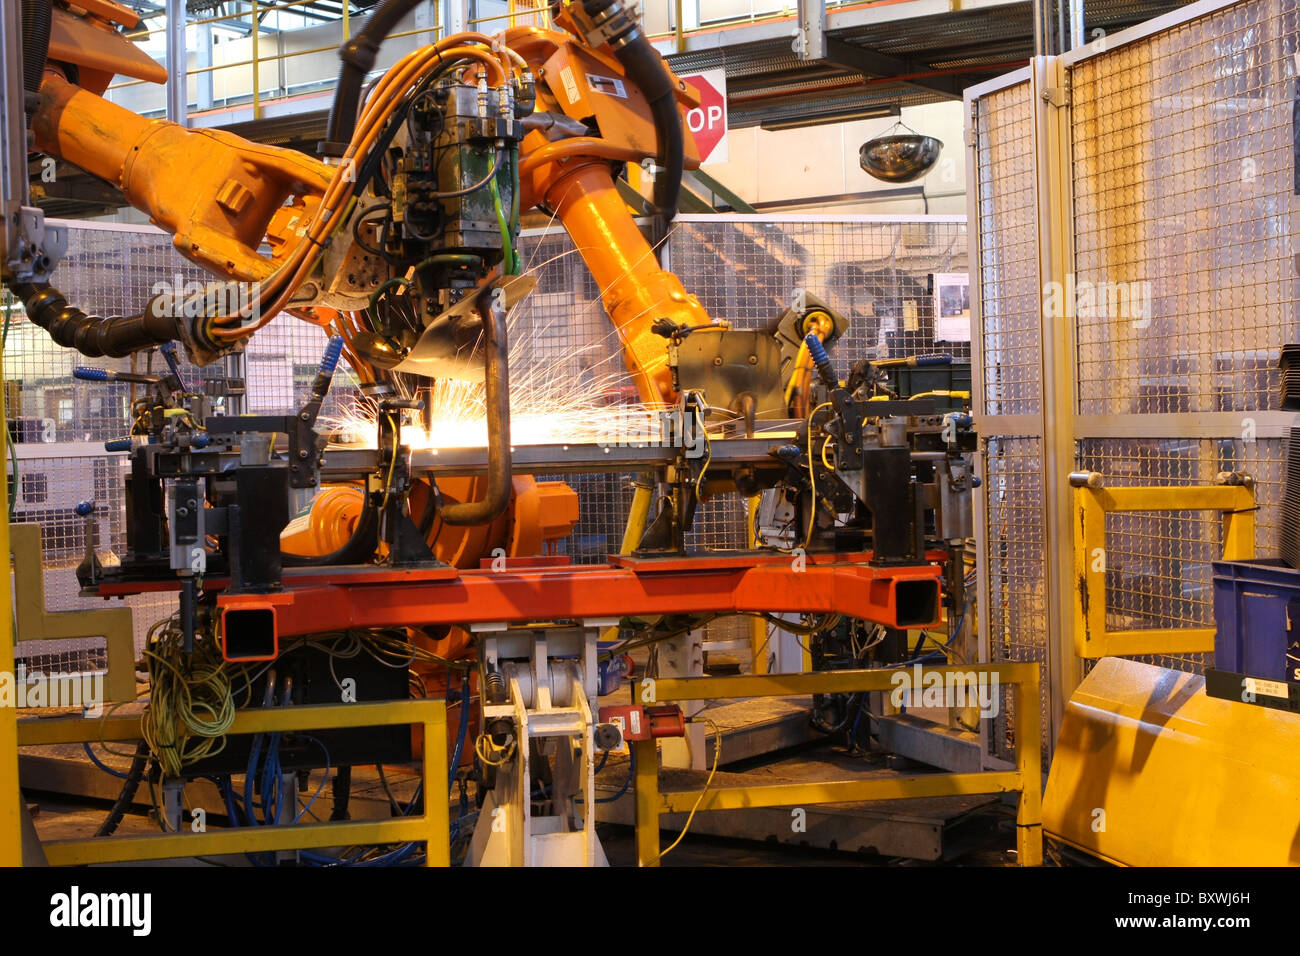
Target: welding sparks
<point x="551" y="402"/>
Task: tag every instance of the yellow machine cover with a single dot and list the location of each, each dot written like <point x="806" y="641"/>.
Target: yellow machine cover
<point x="1149" y="771"/>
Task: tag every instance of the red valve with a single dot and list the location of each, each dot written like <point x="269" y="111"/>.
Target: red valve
<point x="645" y="723"/>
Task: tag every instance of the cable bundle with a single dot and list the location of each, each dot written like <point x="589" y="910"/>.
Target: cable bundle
<point x="392" y="90"/>
<point x="191" y="706"/>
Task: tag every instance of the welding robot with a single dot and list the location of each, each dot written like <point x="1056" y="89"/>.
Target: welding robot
<point x="400" y="242"/>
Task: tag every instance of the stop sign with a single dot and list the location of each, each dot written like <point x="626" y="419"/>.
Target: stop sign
<point x="708" y="121"/>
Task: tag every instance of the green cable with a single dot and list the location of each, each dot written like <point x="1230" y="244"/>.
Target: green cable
<point x="450" y="259"/>
<point x="374" y="296"/>
<point x="514" y="204"/>
<point x="507" y="247"/>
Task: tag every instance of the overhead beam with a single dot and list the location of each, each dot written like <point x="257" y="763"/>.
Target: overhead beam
<point x="873" y="65"/>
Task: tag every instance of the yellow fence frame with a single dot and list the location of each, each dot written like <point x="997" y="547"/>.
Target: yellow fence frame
<point x="431" y="827"/>
<point x="1091" y="505"/>
<point x="35" y="623"/>
<point x="1025" y="779"/>
<point x="11" y="809"/>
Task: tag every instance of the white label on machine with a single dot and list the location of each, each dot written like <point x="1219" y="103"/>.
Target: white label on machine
<point x="634" y="718"/>
<point x="570" y="84"/>
<point x="607" y="84"/>
<point x="1268" y="688"/>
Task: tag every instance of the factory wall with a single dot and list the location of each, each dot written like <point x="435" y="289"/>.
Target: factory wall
<point x="822" y="161"/>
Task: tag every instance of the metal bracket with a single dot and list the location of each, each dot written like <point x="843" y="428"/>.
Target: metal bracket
<point x="1058" y="96"/>
<point x="810" y="36"/>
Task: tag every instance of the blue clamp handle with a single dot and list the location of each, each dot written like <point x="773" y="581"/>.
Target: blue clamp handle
<point x="86" y="374"/>
<point x="821" y="360"/>
<point x="84" y="508"/>
<point x="168" y="350"/>
<point x="330" y="360"/>
<point x="932" y="359"/>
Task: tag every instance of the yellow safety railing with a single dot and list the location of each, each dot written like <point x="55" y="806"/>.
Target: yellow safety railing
<point x="431" y="826"/>
<point x="1026" y="779"/>
<point x="1092" y="502"/>
<point x="257" y="61"/>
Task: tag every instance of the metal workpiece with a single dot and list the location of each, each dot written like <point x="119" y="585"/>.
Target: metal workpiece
<point x="898" y="596"/>
<point x="496" y="361"/>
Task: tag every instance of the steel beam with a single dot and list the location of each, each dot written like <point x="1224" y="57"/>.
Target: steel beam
<point x="177" y="94"/>
<point x="842" y="791"/>
<point x="820" y="682"/>
<point x="873" y="64"/>
<point x="810" y="41"/>
<point x="457" y="19"/>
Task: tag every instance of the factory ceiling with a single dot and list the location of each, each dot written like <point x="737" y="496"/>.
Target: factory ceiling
<point x="875" y="58"/>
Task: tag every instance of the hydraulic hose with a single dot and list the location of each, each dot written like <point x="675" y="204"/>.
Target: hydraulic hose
<point x="127" y="795"/>
<point x="646" y="70"/>
<point x="358" y="55"/>
<point x="500" y="465"/>
<point x="38" y="15"/>
<point x="94" y="335"/>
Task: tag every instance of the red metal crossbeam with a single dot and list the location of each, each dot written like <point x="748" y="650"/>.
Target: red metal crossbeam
<point x="893" y="596"/>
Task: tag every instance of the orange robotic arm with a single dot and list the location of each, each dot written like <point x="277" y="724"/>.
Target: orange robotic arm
<point x="223" y="197"/>
<point x="219" y="195"/>
<point x="574" y="178"/>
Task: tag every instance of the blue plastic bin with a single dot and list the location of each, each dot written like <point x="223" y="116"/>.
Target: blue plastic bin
<point x="1257" y="614"/>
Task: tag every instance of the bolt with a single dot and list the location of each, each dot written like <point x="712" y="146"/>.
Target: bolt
<point x="302" y="453"/>
<point x="717" y="360"/>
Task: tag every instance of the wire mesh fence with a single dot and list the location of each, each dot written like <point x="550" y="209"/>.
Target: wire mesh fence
<point x="1182" y="168"/>
<point x="1181" y="293"/>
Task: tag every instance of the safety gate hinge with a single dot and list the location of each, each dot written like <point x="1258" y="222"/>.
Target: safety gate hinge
<point x="1058" y="96"/>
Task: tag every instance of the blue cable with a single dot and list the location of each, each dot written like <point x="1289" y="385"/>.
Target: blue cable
<point x="324" y="780"/>
<point x="631" y="770"/>
<point x="101" y="765"/>
<point x="250" y="775"/>
<point x="463" y="730"/>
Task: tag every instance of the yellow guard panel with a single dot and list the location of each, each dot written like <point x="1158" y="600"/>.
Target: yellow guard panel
<point x="1149" y="771"/>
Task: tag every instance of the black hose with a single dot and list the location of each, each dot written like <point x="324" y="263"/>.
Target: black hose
<point x="94" y="335"/>
<point x="38" y="15"/>
<point x="129" y="787"/>
<point x="341" y="789"/>
<point x="358" y="55"/>
<point x="357" y="550"/>
<point x="647" y="71"/>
